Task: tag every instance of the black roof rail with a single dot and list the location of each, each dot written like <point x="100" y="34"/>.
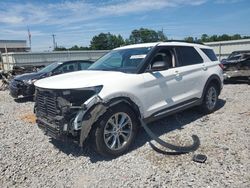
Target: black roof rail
<point x="194" y="42"/>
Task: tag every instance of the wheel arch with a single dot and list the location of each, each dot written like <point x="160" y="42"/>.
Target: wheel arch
<point x="213" y="79"/>
<point x="99" y="109"/>
<point x="127" y="101"/>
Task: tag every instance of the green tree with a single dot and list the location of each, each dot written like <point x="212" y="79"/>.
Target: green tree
<point x="246" y="37"/>
<point x="143" y="35"/>
<point x="75" y="47"/>
<point x="213" y="38"/>
<point x="236" y="37"/>
<point x="204" y="38"/>
<point x="189" y="39"/>
<point x="85" y="48"/>
<point x="224" y="37"/>
<point x="60" y="48"/>
<point x="106" y="41"/>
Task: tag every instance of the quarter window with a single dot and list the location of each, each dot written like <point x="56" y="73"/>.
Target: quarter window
<point x="188" y="56"/>
<point x="210" y="54"/>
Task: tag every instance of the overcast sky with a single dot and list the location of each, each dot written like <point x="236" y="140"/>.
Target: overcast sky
<point x="75" y="22"/>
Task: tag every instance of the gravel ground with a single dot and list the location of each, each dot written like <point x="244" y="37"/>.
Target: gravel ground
<point x="30" y="159"/>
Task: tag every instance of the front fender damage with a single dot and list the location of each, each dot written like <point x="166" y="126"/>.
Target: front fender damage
<point x="94" y="108"/>
<point x="92" y="117"/>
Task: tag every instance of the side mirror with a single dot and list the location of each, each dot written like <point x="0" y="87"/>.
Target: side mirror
<point x="159" y="65"/>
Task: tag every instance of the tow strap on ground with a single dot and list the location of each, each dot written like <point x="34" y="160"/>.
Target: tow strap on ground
<point x="176" y="149"/>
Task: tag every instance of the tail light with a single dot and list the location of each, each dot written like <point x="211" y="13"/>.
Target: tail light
<point x="221" y="66"/>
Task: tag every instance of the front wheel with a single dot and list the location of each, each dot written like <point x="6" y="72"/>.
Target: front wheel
<point x="115" y="131"/>
<point x="210" y="99"/>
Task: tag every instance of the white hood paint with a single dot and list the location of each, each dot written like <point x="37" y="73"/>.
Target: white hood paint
<point x="79" y="79"/>
<point x="115" y="84"/>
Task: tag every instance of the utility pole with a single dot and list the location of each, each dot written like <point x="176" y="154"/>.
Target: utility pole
<point x="162" y="38"/>
<point x="54" y="41"/>
<point x="29" y="35"/>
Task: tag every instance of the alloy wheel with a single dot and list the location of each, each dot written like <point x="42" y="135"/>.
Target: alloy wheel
<point x="117" y="131"/>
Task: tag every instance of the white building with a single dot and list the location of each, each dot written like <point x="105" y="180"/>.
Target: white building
<point x="13" y="46"/>
<point x="224" y="48"/>
<point x="9" y="60"/>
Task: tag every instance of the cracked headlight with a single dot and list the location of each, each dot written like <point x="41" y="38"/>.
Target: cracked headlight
<point x="95" y="89"/>
<point x="78" y="96"/>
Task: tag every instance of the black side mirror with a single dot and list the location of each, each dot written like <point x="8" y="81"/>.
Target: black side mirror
<point x="159" y="65"/>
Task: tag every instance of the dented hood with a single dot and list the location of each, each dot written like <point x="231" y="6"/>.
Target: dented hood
<point x="79" y="79"/>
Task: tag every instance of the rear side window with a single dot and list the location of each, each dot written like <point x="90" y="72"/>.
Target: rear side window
<point x="210" y="54"/>
<point x="188" y="56"/>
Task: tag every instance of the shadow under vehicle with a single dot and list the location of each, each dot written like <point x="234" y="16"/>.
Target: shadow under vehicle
<point x="163" y="126"/>
<point x="24" y="84"/>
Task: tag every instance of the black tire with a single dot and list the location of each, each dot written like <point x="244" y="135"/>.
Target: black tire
<point x="101" y="145"/>
<point x="205" y="106"/>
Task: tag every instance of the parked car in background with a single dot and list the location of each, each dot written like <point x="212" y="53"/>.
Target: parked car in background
<point x="24" y="84"/>
<point x="237" y="65"/>
<point x="131" y="83"/>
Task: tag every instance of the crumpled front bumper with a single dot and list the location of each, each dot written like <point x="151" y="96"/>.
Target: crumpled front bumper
<point x="52" y="127"/>
<point x="59" y="127"/>
<point x="19" y="88"/>
<point x="14" y="91"/>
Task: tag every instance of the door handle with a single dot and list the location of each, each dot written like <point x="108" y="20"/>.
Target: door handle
<point x="177" y="74"/>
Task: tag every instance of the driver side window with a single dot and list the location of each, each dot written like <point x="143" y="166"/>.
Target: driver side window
<point x="164" y="59"/>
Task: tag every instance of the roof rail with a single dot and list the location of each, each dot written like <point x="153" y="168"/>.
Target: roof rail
<point x="194" y="42"/>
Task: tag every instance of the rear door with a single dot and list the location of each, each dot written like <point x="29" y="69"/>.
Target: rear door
<point x="191" y="69"/>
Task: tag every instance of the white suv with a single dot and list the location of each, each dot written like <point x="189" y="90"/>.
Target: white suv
<point x="131" y="83"/>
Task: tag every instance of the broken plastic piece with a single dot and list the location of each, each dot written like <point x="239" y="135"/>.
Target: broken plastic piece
<point x="199" y="158"/>
<point x="177" y="149"/>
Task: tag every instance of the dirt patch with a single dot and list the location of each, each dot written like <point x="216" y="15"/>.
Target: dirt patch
<point x="29" y="118"/>
<point x="245" y="113"/>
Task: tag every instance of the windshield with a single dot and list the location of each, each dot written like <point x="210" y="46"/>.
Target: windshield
<point x="49" y="68"/>
<point x="124" y="60"/>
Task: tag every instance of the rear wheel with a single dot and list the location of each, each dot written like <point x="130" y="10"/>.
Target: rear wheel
<point x="115" y="131"/>
<point x="210" y="99"/>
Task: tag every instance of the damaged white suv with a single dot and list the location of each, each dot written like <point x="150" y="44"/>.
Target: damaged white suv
<point x="131" y="83"/>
